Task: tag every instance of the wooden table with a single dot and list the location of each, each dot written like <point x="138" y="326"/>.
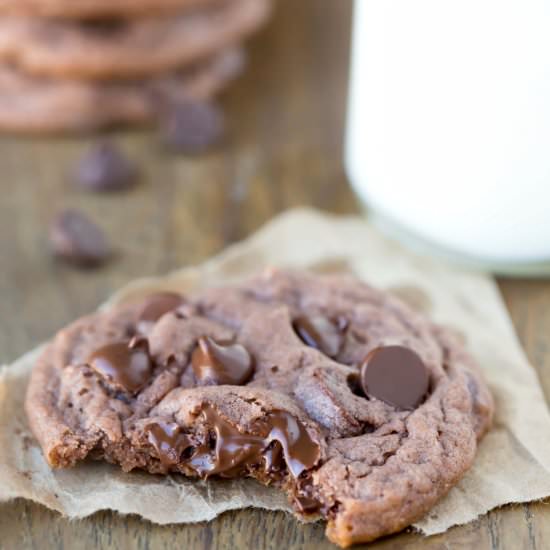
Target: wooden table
<point x="284" y="150"/>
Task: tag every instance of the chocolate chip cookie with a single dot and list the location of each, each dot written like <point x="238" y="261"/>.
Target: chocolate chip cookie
<point x="127" y="48"/>
<point x="362" y="410"/>
<point x="43" y="105"/>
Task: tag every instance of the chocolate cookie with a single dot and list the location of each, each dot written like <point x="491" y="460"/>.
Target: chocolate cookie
<point x="43" y="105"/>
<point x="127" y="48"/>
<point x="361" y="410"/>
<point x="96" y="9"/>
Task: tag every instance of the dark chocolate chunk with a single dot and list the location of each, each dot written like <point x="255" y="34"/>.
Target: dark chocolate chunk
<point x="125" y="365"/>
<point x="396" y="375"/>
<point x="168" y="441"/>
<point x="76" y="239"/>
<point x="306" y="505"/>
<point x="221" y="363"/>
<point x="159" y="304"/>
<point x="321" y="333"/>
<point x="279" y="436"/>
<point x="302" y="496"/>
<point x="105" y="168"/>
<point x="192" y="127"/>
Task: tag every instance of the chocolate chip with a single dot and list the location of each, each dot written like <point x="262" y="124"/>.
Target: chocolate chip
<point x="396" y="375"/>
<point x="321" y="333"/>
<point x="300" y="451"/>
<point x="221" y="363"/>
<point x="76" y="239"/>
<point x="105" y="168"/>
<point x="306" y="505"/>
<point x="125" y="365"/>
<point x="168" y="441"/>
<point x="192" y="127"/>
<point x="159" y="304"/>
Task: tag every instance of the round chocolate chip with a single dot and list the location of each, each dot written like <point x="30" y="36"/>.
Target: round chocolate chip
<point x="220" y="363"/>
<point x="396" y="375"/>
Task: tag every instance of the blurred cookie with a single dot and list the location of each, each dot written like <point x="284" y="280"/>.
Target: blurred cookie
<point x="44" y="105"/>
<point x="95" y="9"/>
<point x="126" y="48"/>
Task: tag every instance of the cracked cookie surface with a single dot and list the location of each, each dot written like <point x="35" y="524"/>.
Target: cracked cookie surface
<point x="280" y="378"/>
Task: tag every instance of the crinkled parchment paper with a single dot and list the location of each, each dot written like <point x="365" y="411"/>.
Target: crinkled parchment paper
<point x="513" y="463"/>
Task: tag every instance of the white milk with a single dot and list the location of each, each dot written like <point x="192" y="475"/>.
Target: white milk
<point x="449" y="122"/>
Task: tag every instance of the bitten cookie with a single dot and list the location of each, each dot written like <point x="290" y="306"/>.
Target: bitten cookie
<point x="360" y="409"/>
<point x="127" y="48"/>
<point x="43" y="105"/>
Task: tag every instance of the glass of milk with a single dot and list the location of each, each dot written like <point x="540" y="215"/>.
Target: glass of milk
<point x="448" y="134"/>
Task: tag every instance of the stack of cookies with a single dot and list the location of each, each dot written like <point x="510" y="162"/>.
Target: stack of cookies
<point x="77" y="65"/>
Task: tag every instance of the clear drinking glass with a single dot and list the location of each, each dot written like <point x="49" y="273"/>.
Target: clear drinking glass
<point x="448" y="135"/>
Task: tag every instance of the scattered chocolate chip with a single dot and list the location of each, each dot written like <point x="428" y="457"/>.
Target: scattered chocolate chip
<point x="396" y="375"/>
<point x="321" y="333"/>
<point x="221" y="363"/>
<point x="159" y="304"/>
<point x="77" y="239"/>
<point x="192" y="127"/>
<point x="168" y="441"/>
<point x="125" y="365"/>
<point x="105" y="168"/>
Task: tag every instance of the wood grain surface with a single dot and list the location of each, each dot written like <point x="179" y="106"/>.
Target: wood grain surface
<point x="286" y="120"/>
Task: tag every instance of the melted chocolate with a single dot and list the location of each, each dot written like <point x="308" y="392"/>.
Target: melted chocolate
<point x="233" y="453"/>
<point x="396" y="375"/>
<point x="169" y="442"/>
<point x="280" y="439"/>
<point x="158" y="305"/>
<point x="220" y="363"/>
<point x="125" y="365"/>
<point x="322" y="333"/>
<point x="299" y="450"/>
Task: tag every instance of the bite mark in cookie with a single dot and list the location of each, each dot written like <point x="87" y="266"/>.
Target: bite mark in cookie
<point x="360" y="409"/>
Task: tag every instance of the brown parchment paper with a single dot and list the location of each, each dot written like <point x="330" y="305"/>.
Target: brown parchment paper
<point x="513" y="463"/>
